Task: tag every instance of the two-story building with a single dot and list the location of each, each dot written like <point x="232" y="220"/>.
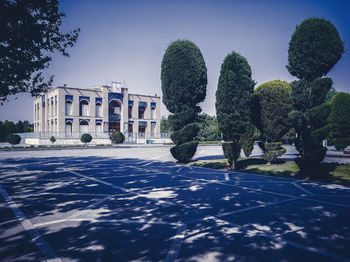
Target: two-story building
<point x="66" y="112"/>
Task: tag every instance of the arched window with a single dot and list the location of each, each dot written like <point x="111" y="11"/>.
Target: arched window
<point x="98" y="128"/>
<point x="153" y="113"/>
<point x="68" y="108"/>
<point x="98" y="109"/>
<point x="68" y="129"/>
<point x="84" y="127"/>
<point x="83" y="108"/>
<point x="114" y="108"/>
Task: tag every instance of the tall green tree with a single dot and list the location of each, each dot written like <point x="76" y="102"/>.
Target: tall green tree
<point x="273" y="105"/>
<point x="30" y="34"/>
<point x="315" y="47"/>
<point x="184" y="84"/>
<point x="339" y="120"/>
<point x="233" y="103"/>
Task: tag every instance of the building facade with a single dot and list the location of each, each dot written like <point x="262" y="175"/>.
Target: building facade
<point x="70" y="112"/>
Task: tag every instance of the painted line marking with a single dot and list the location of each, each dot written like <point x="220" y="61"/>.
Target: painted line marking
<point x="227" y="178"/>
<point x="97" y="220"/>
<point x="176" y="244"/>
<point x="38" y="240"/>
<point x="303" y="189"/>
<point x="256" y="207"/>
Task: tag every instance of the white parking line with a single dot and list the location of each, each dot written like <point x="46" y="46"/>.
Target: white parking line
<point x="38" y="240"/>
<point x="303" y="189"/>
<point x="227" y="178"/>
<point x="176" y="245"/>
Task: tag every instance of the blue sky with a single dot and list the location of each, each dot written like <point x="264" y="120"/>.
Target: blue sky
<point x="126" y="40"/>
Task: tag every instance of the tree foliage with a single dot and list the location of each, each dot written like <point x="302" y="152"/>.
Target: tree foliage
<point x="13" y="139"/>
<point x="52" y="139"/>
<point x="117" y="137"/>
<point x="233" y="101"/>
<point x="8" y="127"/>
<point x="30" y="33"/>
<point x="209" y="128"/>
<point x="339" y="120"/>
<point x="184" y="83"/>
<point x="274" y="104"/>
<point x="86" y="138"/>
<point x="183" y="76"/>
<point x="315" y="47"/>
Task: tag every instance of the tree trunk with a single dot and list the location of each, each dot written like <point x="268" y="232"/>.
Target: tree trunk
<point x="233" y="166"/>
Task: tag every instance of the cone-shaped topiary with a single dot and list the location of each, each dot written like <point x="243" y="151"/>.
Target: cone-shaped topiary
<point x="184" y="83"/>
<point x="233" y="103"/>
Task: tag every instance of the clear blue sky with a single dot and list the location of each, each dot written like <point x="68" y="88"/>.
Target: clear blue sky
<point x="126" y="40"/>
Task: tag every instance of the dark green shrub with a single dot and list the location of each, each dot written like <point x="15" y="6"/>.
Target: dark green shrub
<point x="232" y="152"/>
<point x="273" y="151"/>
<point x="13" y="139"/>
<point x="117" y="137"/>
<point x="52" y="139"/>
<point x="339" y="120"/>
<point x="86" y="138"/>
<point x="185" y="134"/>
<point x="182" y="153"/>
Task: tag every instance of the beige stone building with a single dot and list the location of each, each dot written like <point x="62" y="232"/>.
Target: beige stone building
<point x="67" y="113"/>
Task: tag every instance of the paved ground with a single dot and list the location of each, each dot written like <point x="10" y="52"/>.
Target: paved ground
<point x="130" y="204"/>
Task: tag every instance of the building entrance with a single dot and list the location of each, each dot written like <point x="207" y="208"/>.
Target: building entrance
<point x="114" y="126"/>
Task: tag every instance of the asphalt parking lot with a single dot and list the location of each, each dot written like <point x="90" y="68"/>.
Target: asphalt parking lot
<point x="122" y="206"/>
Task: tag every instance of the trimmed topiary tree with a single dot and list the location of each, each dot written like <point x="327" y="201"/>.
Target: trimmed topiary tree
<point x="86" y="138"/>
<point x="339" y="120"/>
<point x="184" y="83"/>
<point x="233" y="99"/>
<point x="315" y="47"/>
<point x="272" y="100"/>
<point x="13" y="139"/>
<point x="52" y="139"/>
<point x="117" y="138"/>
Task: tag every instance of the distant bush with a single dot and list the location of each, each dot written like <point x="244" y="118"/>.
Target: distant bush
<point x="13" y="139"/>
<point x="86" y="138"/>
<point x="117" y="138"/>
<point x="185" y="151"/>
<point x="273" y="151"/>
<point x="52" y="139"/>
